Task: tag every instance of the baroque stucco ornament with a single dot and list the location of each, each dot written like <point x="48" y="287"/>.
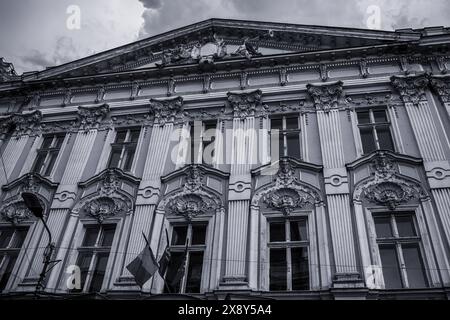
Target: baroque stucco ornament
<point x="442" y="87"/>
<point x="326" y="97"/>
<point x="245" y="104"/>
<point x="166" y="110"/>
<point x="15" y="212"/>
<point x="105" y="207"/>
<point x="411" y="88"/>
<point x="91" y="117"/>
<point x="25" y="123"/>
<point x="386" y="187"/>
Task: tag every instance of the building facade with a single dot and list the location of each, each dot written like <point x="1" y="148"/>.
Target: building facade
<point x="273" y="160"/>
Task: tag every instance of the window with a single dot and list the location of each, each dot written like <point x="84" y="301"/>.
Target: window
<point x="400" y="251"/>
<point x="374" y="128"/>
<point x="202" y="137"/>
<point x="184" y="272"/>
<point x="47" y="154"/>
<point x="93" y="256"/>
<point x="11" y="241"/>
<point x="124" y="149"/>
<point x="288" y="255"/>
<point x="289" y="135"/>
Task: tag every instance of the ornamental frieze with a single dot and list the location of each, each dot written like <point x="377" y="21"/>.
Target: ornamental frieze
<point x="412" y="88"/>
<point x="166" y="110"/>
<point x="91" y="117"/>
<point x="245" y="104"/>
<point x="326" y="97"/>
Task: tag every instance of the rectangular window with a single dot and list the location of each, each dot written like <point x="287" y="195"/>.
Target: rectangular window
<point x="202" y="138"/>
<point x="47" y="154"/>
<point x="123" y="149"/>
<point x="184" y="272"/>
<point x="288" y="255"/>
<point x="289" y="135"/>
<point x="400" y="253"/>
<point x="93" y="256"/>
<point x="374" y="129"/>
<point x="11" y="241"/>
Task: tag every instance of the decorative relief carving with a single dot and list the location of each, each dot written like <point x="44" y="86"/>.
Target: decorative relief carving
<point x="91" y="117"/>
<point x="386" y="187"/>
<point x="442" y="87"/>
<point x="166" y="110"/>
<point x="194" y="179"/>
<point x="411" y="89"/>
<point x="67" y="97"/>
<point x="100" y="94"/>
<point x="7" y="71"/>
<point x="441" y="64"/>
<point x="363" y="68"/>
<point x="245" y="104"/>
<point x="15" y="212"/>
<point x="286" y="193"/>
<point x="326" y="97"/>
<point x="190" y="206"/>
<point x="323" y="69"/>
<point x="26" y="123"/>
<point x="134" y="90"/>
<point x="104" y="207"/>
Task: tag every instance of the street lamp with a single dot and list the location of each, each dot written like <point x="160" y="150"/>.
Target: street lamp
<point x="34" y="205"/>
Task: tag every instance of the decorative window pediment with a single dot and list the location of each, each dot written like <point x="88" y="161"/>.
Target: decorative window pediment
<point x="386" y="186"/>
<point x="194" y="198"/>
<point x="109" y="198"/>
<point x="286" y="193"/>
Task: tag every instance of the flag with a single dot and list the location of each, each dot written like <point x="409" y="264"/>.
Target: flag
<point x="144" y="266"/>
<point x="182" y="268"/>
<point x="165" y="258"/>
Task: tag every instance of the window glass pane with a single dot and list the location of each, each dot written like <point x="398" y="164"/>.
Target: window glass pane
<point x="129" y="156"/>
<point x="134" y="135"/>
<point x="120" y="136"/>
<point x="363" y="117"/>
<point x="383" y="227"/>
<point x="115" y="158"/>
<point x="293" y="145"/>
<point x="194" y="276"/>
<point x="380" y="116"/>
<point x="83" y="262"/>
<point x="50" y="163"/>
<point x="292" y="123"/>
<point x="300" y="269"/>
<point x="405" y="226"/>
<point x="278" y="270"/>
<point x="367" y="140"/>
<point x="173" y="281"/>
<point x="198" y="234"/>
<point x="299" y="230"/>
<point x="90" y="236"/>
<point x="5" y="237"/>
<point x="414" y="266"/>
<point x="19" y="238"/>
<point x="391" y="271"/>
<point x="179" y="235"/>
<point x="108" y="235"/>
<point x="276" y="124"/>
<point x="59" y="141"/>
<point x="9" y="261"/>
<point x="47" y="142"/>
<point x="277" y="231"/>
<point x="99" y="272"/>
<point x="385" y="139"/>
<point x="39" y="163"/>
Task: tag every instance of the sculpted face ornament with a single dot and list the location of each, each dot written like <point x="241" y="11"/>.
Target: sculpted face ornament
<point x="389" y="194"/>
<point x="188" y="206"/>
<point x="15" y="213"/>
<point x="102" y="208"/>
<point x="286" y="200"/>
<point x="194" y="178"/>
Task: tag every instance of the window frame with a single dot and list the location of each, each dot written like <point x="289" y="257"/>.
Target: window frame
<point x="201" y="142"/>
<point x="397" y="241"/>
<point x="283" y="150"/>
<point x="48" y="151"/>
<point x="191" y="248"/>
<point x="95" y="250"/>
<point x="373" y="125"/>
<point x="124" y="148"/>
<point x="289" y="245"/>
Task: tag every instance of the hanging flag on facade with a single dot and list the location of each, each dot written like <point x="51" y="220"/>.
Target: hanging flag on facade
<point x="144" y="266"/>
<point x="165" y="258"/>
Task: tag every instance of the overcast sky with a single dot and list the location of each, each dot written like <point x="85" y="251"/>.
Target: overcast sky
<point x="34" y="33"/>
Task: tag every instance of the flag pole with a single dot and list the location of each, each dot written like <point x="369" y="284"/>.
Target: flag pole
<point x="148" y="244"/>
<point x="164" y="278"/>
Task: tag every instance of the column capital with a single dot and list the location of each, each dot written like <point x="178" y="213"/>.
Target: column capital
<point x="244" y="104"/>
<point x="411" y="88"/>
<point x="167" y="109"/>
<point x="326" y="97"/>
<point x="441" y="85"/>
<point x="91" y="117"/>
